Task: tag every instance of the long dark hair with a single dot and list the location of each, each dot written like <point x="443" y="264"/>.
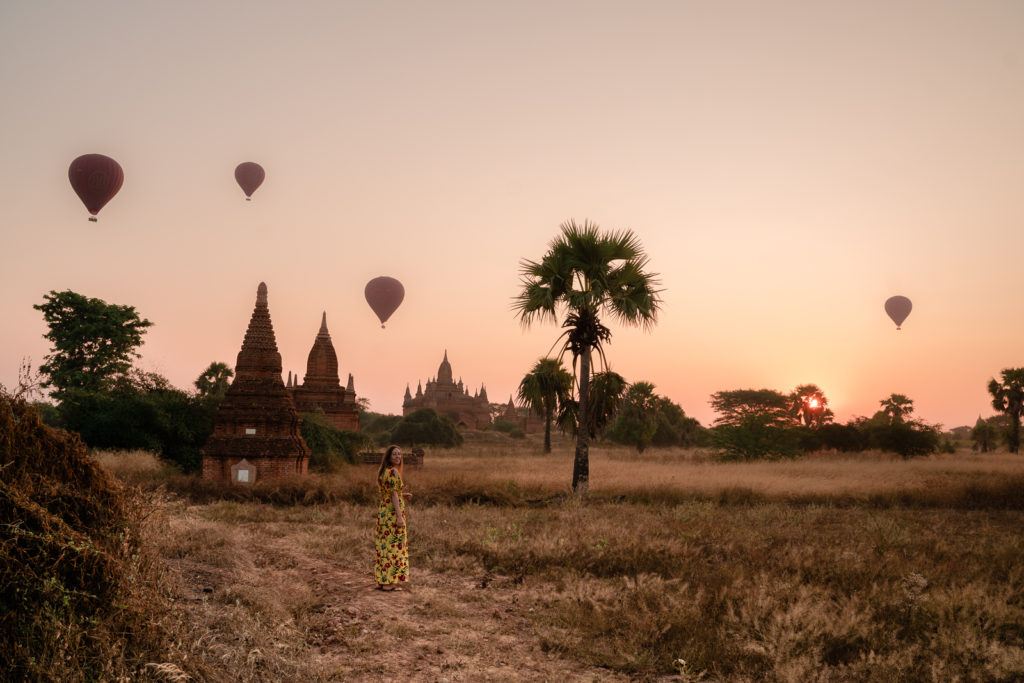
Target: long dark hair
<point x="385" y="462"/>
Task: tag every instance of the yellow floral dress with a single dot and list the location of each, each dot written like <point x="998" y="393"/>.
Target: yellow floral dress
<point x="391" y="542"/>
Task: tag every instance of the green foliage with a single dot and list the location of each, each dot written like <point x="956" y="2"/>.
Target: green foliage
<point x="426" y="427"/>
<point x="142" y="411"/>
<point x="1008" y="398"/>
<point x="503" y="426"/>
<point x="984" y="435"/>
<point x="809" y="406"/>
<point x="214" y="381"/>
<point x="740" y="407"/>
<point x="753" y="423"/>
<point x="93" y="341"/>
<point x="331" y="447"/>
<point x="752" y="438"/>
<point x="675" y="428"/>
<point x="905" y="438"/>
<point x="637" y="420"/>
<point x="897" y="407"/>
<point x="544" y="390"/>
<point x="606" y="391"/>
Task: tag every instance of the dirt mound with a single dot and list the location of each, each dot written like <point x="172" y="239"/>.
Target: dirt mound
<point x="70" y="558"/>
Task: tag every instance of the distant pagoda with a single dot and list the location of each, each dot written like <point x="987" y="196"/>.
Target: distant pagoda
<point x="256" y="428"/>
<point x="321" y="390"/>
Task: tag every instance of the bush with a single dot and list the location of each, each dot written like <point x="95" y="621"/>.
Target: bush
<point x="71" y="560"/>
<point x="752" y="440"/>
<point x="165" y="421"/>
<point x="504" y="426"/>
<point x="517" y="433"/>
<point x="426" y="427"/>
<point x="331" y="446"/>
<point x="905" y="438"/>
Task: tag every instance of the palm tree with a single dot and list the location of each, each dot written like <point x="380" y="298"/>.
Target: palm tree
<point x="546" y="387"/>
<point x="214" y="381"/>
<point x="607" y="390"/>
<point x="588" y="274"/>
<point x="897" y="406"/>
<point x="1008" y="397"/>
<point x="809" y="405"/>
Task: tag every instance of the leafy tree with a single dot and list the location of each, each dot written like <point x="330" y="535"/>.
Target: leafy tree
<point x="425" y="426"/>
<point x="93" y="342"/>
<point x="606" y="392"/>
<point x="546" y="387"/>
<point x="737" y="407"/>
<point x="897" y="407"/>
<point x="588" y="274"/>
<point x="1008" y="398"/>
<point x="214" y="381"/>
<point x="141" y="411"/>
<point x="638" y="417"/>
<point x="753" y="423"/>
<point x="984" y="435"/>
<point x="675" y="428"/>
<point x="809" y="406"/>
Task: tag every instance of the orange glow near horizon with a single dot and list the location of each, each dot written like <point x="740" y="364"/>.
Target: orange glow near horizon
<point x="875" y="149"/>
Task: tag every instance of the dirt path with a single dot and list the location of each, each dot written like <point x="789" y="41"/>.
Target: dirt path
<point x="323" y="619"/>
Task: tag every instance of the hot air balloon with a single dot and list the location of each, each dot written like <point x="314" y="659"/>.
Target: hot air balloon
<point x="898" y="308"/>
<point x="249" y="175"/>
<point x="95" y="179"/>
<point x="385" y="295"/>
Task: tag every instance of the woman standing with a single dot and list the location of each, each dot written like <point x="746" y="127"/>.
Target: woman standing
<point x="391" y="539"/>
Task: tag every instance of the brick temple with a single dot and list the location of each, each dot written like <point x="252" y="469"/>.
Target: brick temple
<point x="321" y="390"/>
<point x="256" y="428"/>
<point x="524" y="418"/>
<point x="450" y="398"/>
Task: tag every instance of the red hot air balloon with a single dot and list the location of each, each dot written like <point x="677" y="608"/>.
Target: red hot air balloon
<point x="385" y="295"/>
<point x="95" y="179"/>
<point x="898" y="308"/>
<point x="249" y="175"/>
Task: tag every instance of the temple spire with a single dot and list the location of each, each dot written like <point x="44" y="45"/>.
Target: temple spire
<point x="323" y="325"/>
<point x="351" y="383"/>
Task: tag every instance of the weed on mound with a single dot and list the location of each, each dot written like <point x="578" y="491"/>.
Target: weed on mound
<point x="71" y="606"/>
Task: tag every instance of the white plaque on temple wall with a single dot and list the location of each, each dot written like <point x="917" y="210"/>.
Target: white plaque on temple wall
<point x="243" y="472"/>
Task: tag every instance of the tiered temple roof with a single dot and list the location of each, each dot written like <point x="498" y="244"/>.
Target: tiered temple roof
<point x="256" y="421"/>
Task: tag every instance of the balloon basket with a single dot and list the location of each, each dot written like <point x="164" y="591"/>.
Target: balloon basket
<point x="93" y="219"/>
<point x="248" y="199"/>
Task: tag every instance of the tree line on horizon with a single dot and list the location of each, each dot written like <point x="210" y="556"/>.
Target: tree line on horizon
<point x="587" y="274"/>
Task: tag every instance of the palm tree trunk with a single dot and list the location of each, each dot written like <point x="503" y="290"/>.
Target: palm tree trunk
<point x="581" y="463"/>
<point x="548" y="416"/>
<point x="1014" y="432"/>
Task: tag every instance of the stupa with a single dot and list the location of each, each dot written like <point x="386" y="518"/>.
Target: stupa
<point x="321" y="390"/>
<point x="256" y="429"/>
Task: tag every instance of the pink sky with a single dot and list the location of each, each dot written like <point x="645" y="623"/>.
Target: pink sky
<point x="788" y="166"/>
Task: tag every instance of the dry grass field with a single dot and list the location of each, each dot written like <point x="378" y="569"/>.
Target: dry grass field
<point x="828" y="568"/>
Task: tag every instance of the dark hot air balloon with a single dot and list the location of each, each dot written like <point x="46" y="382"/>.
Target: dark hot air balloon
<point x="898" y="308"/>
<point x="249" y="176"/>
<point x="95" y="179"/>
<point x="385" y="295"/>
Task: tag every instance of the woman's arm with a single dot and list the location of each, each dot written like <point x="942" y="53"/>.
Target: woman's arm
<point x="399" y="517"/>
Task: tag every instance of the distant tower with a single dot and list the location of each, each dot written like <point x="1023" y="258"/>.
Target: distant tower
<point x="321" y="390"/>
<point x="256" y="429"/>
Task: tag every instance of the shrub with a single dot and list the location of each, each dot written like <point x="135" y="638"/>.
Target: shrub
<point x="331" y="446"/>
<point x="517" y="433"/>
<point x="426" y="427"/>
<point x="71" y="560"/>
<point x="504" y="426"/>
<point x="752" y="440"/>
<point x="163" y="420"/>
